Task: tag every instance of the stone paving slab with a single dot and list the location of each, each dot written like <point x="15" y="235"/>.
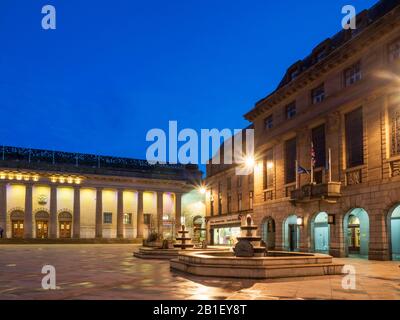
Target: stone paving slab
<point x="98" y="271"/>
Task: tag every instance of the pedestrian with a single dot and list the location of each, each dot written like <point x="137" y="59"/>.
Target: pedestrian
<point x="1" y="232"/>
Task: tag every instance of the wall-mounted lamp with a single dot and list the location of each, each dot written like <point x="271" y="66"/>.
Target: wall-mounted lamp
<point x="331" y="218"/>
<point x="270" y="165"/>
<point x="300" y="221"/>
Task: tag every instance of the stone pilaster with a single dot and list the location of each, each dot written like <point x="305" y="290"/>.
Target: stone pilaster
<point x="160" y="211"/>
<point x="140" y="221"/>
<point x="3" y="208"/>
<point x="77" y="212"/>
<point x="99" y="213"/>
<point x="378" y="239"/>
<point x="120" y="214"/>
<point x="53" y="212"/>
<point x="178" y="210"/>
<point x="337" y="241"/>
<point x="28" y="212"/>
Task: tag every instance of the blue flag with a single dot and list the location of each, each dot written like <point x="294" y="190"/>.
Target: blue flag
<point x="301" y="170"/>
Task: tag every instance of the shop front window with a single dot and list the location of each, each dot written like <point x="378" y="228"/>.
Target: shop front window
<point x="226" y="236"/>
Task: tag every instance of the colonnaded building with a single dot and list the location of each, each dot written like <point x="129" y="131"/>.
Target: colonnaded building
<point x="46" y="194"/>
<point x="338" y="108"/>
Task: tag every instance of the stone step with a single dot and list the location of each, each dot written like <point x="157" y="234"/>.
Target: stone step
<point x="71" y="241"/>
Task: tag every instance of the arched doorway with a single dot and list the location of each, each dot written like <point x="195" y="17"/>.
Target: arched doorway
<point x="17" y="224"/>
<point x="42" y="225"/>
<point x="268" y="232"/>
<point x="291" y="233"/>
<point x="320" y="233"/>
<point x="394" y="225"/>
<point x="356" y="231"/>
<point x="64" y="225"/>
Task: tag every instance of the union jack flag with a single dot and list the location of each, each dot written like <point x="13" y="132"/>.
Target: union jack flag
<point x="312" y="155"/>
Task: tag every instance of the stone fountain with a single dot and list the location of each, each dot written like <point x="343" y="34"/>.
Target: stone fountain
<point x="251" y="260"/>
<point x="166" y="250"/>
<point x="249" y="244"/>
<point x="183" y="238"/>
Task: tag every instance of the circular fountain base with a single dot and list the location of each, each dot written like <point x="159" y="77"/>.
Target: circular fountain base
<point x="278" y="264"/>
<point x="156" y="253"/>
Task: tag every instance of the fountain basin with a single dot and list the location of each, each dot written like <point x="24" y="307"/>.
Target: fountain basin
<point x="277" y="264"/>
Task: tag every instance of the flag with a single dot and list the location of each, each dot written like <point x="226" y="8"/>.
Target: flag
<point x="312" y="155"/>
<point x="301" y="170"/>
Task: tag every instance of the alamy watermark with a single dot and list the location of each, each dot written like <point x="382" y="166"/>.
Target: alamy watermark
<point x="49" y="18"/>
<point x="49" y="280"/>
<point x="203" y="148"/>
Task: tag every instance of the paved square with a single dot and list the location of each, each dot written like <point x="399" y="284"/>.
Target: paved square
<point x="111" y="272"/>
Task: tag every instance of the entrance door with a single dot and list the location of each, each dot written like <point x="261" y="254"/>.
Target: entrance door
<point x="292" y="237"/>
<point x="65" y="229"/>
<point x="18" y="229"/>
<point x="42" y="229"/>
<point x="353" y="236"/>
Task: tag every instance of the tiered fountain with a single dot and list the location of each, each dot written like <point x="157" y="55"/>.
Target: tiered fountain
<point x="251" y="260"/>
<point x="167" y="251"/>
<point x="249" y="244"/>
<point x="183" y="238"/>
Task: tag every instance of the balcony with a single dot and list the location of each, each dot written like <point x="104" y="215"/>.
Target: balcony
<point x="329" y="192"/>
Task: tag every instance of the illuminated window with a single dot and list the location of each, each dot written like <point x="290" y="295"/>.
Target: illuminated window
<point x="318" y="94"/>
<point x="269" y="169"/>
<point x="107" y="218"/>
<point x="128" y="218"/>
<point x="251" y="195"/>
<point x="352" y="74"/>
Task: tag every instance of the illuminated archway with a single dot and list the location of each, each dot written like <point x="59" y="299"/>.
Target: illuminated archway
<point x="17" y="218"/>
<point x="291" y="233"/>
<point x="356" y="232"/>
<point x="320" y="233"/>
<point x="268" y="232"/>
<point x="394" y="231"/>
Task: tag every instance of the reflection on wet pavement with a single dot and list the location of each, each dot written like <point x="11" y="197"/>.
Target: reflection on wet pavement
<point x="100" y="272"/>
<point x="111" y="272"/>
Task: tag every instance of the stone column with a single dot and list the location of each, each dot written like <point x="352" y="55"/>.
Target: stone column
<point x="120" y="214"/>
<point x="28" y="212"/>
<point x="77" y="212"/>
<point x="178" y="210"/>
<point x="99" y="213"/>
<point x="3" y="208"/>
<point x="53" y="212"/>
<point x="378" y="236"/>
<point x="140" y="221"/>
<point x="160" y="211"/>
<point x="337" y="237"/>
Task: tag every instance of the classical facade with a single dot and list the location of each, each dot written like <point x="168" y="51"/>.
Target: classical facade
<point x="336" y="111"/>
<point x="46" y="194"/>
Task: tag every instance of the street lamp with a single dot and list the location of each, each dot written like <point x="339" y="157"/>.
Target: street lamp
<point x="300" y="221"/>
<point x="250" y="162"/>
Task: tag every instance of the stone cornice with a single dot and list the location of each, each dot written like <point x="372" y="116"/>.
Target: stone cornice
<point x="376" y="30"/>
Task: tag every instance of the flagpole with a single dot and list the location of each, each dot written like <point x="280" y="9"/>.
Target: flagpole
<point x="297" y="174"/>
<point x="312" y="171"/>
<point x="329" y="165"/>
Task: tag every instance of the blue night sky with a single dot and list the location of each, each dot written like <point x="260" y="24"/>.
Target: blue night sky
<point x="112" y="70"/>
